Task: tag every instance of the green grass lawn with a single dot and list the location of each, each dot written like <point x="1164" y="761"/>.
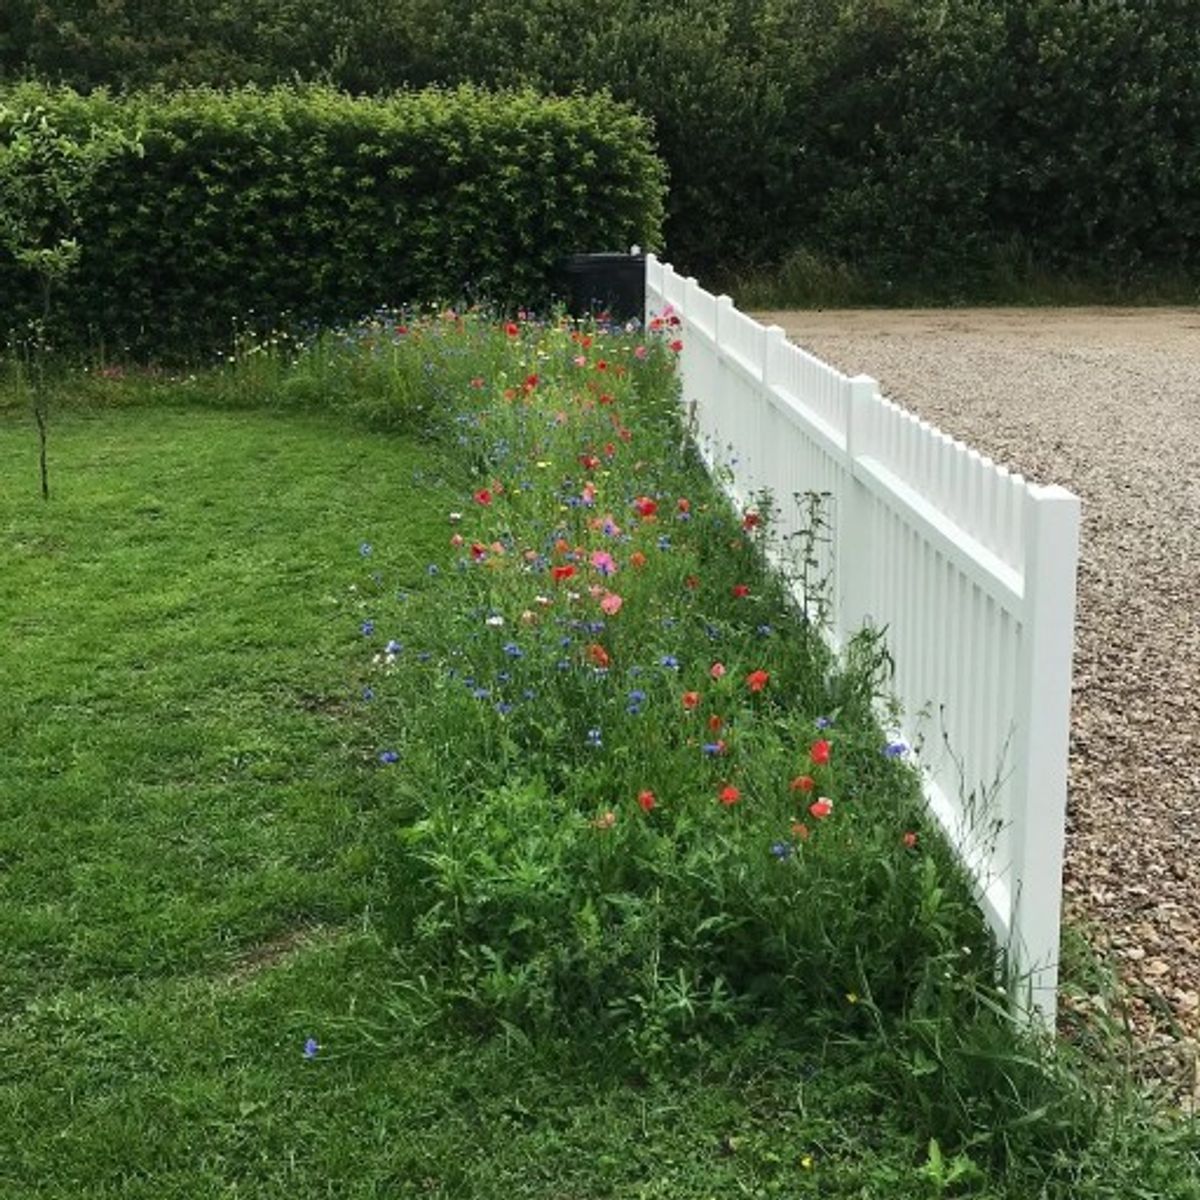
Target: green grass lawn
<point x="192" y="810"/>
<point x="186" y="790"/>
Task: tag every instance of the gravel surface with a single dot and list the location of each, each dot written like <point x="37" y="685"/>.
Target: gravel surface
<point x="1107" y="403"/>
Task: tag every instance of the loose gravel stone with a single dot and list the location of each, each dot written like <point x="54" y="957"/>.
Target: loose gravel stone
<point x="1107" y="403"/>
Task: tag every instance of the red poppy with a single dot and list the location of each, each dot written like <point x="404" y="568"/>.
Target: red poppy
<point x="751" y="519"/>
<point x="819" y="752"/>
<point x="589" y="461"/>
<point x="610" y="448"/>
<point x="605" y="398"/>
<point x="478" y="551"/>
<point x="561" y="573"/>
<point x="483" y="496"/>
<point x="646" y="800"/>
<point x="677" y="345"/>
<point x="909" y="839"/>
<point x="741" y="590"/>
<point x="531" y="382"/>
<point x="645" y="506"/>
<point x="637" y="559"/>
<point x="800" y="830"/>
<point x="690" y="700"/>
<point x="821" y="808"/>
<point x="598" y="655"/>
<point x="729" y="795"/>
<point x="511" y="329"/>
<point x="757" y="680"/>
<point x="715" y="723"/>
<point x="685" y="505"/>
<point x="802" y="783"/>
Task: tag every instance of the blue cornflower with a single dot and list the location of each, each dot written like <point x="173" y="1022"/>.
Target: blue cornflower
<point x="895" y="750"/>
<point x="311" y="1048"/>
<point x="425" y="655"/>
<point x="368" y="628"/>
<point x="669" y="661"/>
<point x="368" y="693"/>
<point x="528" y="694"/>
<point x="365" y="549"/>
<point x="593" y="738"/>
<point x="563" y="664"/>
<point x="513" y="650"/>
<point x="565" y="641"/>
<point x="432" y="569"/>
<point x="387" y="757"/>
<point x="782" y="851"/>
<point x="712" y="748"/>
<point x="504" y="708"/>
<point x="480" y="693"/>
<point x="503" y="677"/>
<point x="664" y="542"/>
<point x="765" y="631"/>
<point x="637" y="696"/>
<point x="822" y="722"/>
<point x="714" y="634"/>
<point x="594" y="626"/>
<point x="393" y="647"/>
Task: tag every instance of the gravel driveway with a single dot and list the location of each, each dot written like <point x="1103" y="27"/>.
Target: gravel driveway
<point x="1107" y="403"/>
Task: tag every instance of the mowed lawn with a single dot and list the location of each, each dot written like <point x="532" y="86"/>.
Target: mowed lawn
<point x="186" y="780"/>
<point x="190" y="801"/>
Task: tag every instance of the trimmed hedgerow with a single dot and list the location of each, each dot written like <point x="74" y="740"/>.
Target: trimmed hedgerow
<point x="311" y="205"/>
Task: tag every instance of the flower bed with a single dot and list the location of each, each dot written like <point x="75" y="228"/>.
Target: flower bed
<point x="631" y="788"/>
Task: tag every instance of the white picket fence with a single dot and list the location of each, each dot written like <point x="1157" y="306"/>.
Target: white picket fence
<point x="969" y="568"/>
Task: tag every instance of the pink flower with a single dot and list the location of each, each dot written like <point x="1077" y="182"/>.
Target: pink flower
<point x="611" y="603"/>
<point x="483" y="496"/>
<point x="717" y="670"/>
<point x="603" y="562"/>
<point x="639" y="352"/>
<point x="821" y="807"/>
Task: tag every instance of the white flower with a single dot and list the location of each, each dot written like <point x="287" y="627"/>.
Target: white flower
<point x="495" y="621"/>
<point x="455" y="517"/>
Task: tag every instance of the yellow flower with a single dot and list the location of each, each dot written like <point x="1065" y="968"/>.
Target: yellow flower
<point x="852" y="997"/>
<point x="806" y="1162"/>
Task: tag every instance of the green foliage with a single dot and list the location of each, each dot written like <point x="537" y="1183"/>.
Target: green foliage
<point x="312" y="206"/>
<point x="946" y="150"/>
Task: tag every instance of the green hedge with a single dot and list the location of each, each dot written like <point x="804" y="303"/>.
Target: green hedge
<point x="926" y="143"/>
<point x="317" y="206"/>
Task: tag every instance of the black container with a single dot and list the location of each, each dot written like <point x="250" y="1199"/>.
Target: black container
<point x="615" y="284"/>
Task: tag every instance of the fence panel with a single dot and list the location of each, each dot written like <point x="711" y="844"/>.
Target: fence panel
<point x="969" y="568"/>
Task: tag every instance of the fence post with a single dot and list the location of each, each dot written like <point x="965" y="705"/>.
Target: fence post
<point x="1043" y="714"/>
<point x="773" y="339"/>
<point x="852" y="517"/>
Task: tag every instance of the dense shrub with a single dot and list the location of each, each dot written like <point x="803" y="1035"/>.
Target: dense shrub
<point x="312" y="204"/>
<point x="938" y="146"/>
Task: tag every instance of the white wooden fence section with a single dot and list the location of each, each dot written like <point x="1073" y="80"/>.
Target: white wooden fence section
<point x="970" y="568"/>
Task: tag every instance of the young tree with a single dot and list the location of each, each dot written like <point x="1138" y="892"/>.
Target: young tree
<point x="45" y="174"/>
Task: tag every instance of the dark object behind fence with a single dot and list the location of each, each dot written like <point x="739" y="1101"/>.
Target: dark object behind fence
<point x="611" y="283"/>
